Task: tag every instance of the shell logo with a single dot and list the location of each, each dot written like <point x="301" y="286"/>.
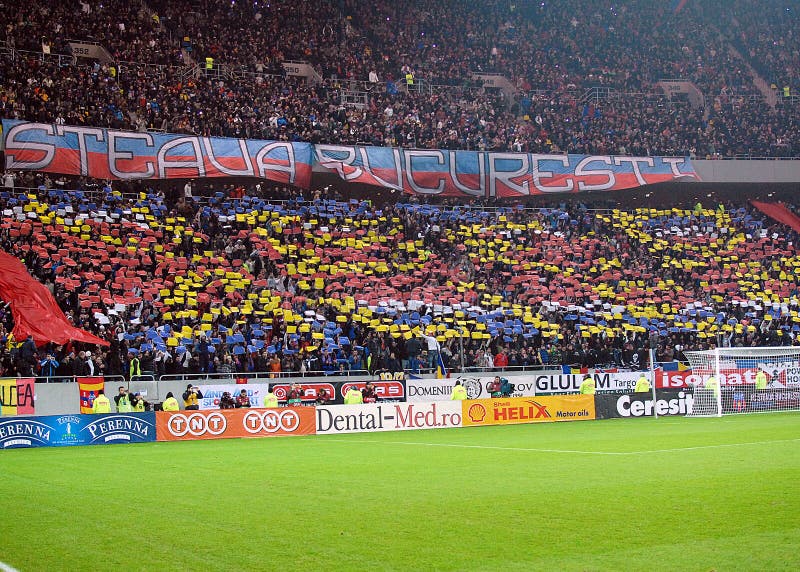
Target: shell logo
<point x="477" y="413"/>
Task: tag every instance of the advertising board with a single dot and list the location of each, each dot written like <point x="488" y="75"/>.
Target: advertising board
<point x="387" y="417"/>
<point x="227" y="423"/>
<point x="668" y="402"/>
<point x="66" y="430"/>
<point x="544" y="383"/>
<point x="513" y="410"/>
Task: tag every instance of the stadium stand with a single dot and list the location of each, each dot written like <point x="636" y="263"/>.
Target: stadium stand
<point x="594" y="89"/>
<point x="240" y="275"/>
<point x="328" y="282"/>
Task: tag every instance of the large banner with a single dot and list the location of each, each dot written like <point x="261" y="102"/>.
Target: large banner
<point x="17" y="396"/>
<point x="213" y="393"/>
<point x="779" y="376"/>
<point x="748" y="399"/>
<point x="491" y="174"/>
<point x="66" y="430"/>
<point x="667" y="402"/>
<point x="516" y="410"/>
<point x="109" y="154"/>
<point x="544" y="383"/>
<point x="387" y="417"/>
<point x="191" y="425"/>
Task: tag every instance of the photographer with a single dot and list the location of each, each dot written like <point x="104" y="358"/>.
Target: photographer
<point x="138" y="403"/>
<point x="226" y="401"/>
<point x="322" y="397"/>
<point x="242" y="400"/>
<point x="368" y="394"/>
<point x="295" y="396"/>
<point x="192" y="397"/>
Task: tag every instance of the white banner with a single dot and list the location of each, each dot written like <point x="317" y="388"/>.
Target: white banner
<point x="387" y="417"/>
<point x="213" y="393"/>
<point x="425" y="390"/>
<point x="545" y="383"/>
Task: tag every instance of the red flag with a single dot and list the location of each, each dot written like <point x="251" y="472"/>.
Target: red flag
<point x="88" y="388"/>
<point x="34" y="309"/>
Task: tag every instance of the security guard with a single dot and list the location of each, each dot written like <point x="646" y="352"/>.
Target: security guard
<point x="459" y="392"/>
<point x="761" y="380"/>
<point x="642" y="384"/>
<point x="134" y="367"/>
<point x="587" y="386"/>
<point x="101" y="403"/>
<point x="209" y="63"/>
<point x="353" y="396"/>
<point x="170" y="403"/>
<point x="270" y="400"/>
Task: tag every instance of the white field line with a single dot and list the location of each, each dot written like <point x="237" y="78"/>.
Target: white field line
<point x="6" y="568"/>
<point x="567" y="451"/>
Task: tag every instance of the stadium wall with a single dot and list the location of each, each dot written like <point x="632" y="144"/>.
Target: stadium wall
<point x="748" y="171"/>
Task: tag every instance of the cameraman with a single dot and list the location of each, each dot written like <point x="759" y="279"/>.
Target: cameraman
<point x="506" y="387"/>
<point x="192" y="397"/>
<point x="226" y="401"/>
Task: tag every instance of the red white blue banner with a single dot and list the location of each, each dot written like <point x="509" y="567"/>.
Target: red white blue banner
<point x="108" y="154"/>
<point x="493" y="174"/>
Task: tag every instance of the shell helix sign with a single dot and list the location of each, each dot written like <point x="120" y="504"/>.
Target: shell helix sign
<point x="513" y="410"/>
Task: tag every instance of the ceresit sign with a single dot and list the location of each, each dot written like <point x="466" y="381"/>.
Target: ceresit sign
<point x="387" y="417"/>
<point x="516" y="410"/>
<point x="190" y="425"/>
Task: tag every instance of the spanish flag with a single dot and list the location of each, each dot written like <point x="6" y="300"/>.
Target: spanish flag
<point x="16" y="396"/>
<point x="88" y="388"/>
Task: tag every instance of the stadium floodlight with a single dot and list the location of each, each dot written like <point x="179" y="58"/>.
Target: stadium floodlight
<point x="744" y="380"/>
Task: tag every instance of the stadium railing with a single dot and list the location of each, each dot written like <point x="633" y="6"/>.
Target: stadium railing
<point x="74" y="378"/>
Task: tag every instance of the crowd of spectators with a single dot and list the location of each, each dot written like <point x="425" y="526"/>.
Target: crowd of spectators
<point x="552" y="52"/>
<point x="236" y="285"/>
<point x="177" y="285"/>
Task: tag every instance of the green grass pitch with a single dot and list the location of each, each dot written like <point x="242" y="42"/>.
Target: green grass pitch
<point x="667" y="494"/>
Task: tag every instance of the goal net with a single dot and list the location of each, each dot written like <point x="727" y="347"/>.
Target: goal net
<point x="744" y="380"/>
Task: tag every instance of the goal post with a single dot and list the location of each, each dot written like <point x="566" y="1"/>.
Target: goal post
<point x="745" y="380"/>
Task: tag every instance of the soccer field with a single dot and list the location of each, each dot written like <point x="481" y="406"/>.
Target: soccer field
<point x="667" y="494"/>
